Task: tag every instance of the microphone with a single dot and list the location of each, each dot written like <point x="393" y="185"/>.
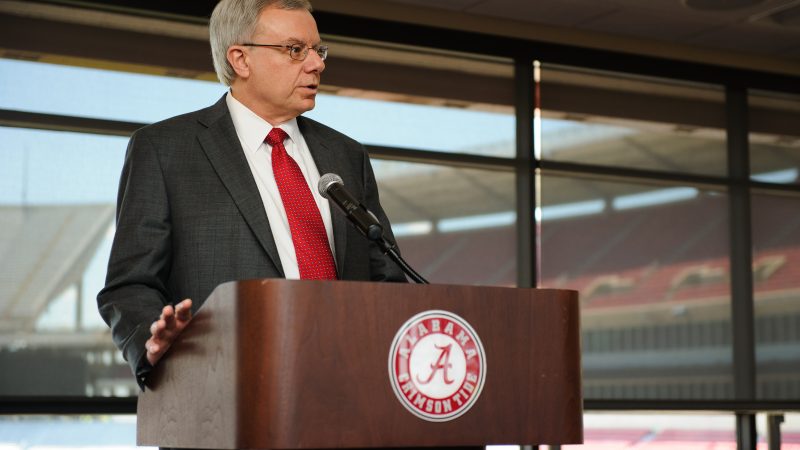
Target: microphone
<point x="332" y="188"/>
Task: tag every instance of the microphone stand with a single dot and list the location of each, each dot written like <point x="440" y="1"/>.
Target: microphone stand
<point x="391" y="250"/>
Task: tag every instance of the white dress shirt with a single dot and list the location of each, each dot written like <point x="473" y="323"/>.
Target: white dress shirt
<point x="252" y="130"/>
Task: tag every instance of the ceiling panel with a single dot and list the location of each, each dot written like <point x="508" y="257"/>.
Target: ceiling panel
<point x="649" y="24"/>
<point x="763" y="39"/>
<point x="747" y="30"/>
<point x="456" y="5"/>
<point x="791" y="52"/>
<point x="677" y="8"/>
<point x="548" y="12"/>
<point x="670" y="21"/>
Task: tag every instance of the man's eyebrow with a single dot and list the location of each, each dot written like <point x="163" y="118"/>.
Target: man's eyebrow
<point x="301" y="41"/>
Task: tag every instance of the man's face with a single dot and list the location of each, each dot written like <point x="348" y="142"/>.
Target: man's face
<point x="280" y="87"/>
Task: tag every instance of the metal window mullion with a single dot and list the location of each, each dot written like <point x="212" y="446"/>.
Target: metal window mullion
<point x="742" y="310"/>
<point x="525" y="171"/>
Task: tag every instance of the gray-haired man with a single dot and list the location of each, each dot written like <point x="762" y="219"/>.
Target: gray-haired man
<point x="206" y="198"/>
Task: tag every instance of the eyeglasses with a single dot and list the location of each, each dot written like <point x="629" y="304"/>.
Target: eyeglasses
<point x="297" y="52"/>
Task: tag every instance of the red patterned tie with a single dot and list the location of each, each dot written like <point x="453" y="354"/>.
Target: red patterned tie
<point x="314" y="257"/>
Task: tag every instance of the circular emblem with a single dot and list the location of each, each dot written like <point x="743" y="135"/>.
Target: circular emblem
<point x="437" y="365"/>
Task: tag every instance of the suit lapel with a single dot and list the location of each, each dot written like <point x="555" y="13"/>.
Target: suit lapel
<point x="223" y="149"/>
<point x="324" y="157"/>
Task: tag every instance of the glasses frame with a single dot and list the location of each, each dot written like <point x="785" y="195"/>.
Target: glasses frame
<point x="321" y="51"/>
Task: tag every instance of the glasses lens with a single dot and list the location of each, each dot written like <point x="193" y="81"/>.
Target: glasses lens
<point x="298" y="52"/>
<point x="322" y="51"/>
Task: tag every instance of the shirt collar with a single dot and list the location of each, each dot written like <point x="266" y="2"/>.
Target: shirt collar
<point x="252" y="129"/>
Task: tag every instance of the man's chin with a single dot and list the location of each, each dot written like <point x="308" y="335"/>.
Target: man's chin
<point x="307" y="105"/>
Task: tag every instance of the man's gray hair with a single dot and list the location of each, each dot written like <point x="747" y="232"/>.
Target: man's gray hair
<point x="234" y="22"/>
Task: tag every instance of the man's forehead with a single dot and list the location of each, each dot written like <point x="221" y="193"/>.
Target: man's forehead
<point x="295" y="25"/>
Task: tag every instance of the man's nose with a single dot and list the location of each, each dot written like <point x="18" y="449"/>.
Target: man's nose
<point x="314" y="63"/>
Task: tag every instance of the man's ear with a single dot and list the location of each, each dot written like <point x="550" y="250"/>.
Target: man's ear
<point x="239" y="59"/>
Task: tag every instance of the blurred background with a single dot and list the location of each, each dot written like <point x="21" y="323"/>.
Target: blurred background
<point x="646" y="154"/>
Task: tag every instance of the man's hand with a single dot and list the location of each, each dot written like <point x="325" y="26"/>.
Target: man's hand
<point x="167" y="328"/>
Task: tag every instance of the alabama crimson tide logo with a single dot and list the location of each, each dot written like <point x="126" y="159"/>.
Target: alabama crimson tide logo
<point x="437" y="366"/>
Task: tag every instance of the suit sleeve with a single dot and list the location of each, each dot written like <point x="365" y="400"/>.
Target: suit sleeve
<point x="382" y="268"/>
<point x="135" y="290"/>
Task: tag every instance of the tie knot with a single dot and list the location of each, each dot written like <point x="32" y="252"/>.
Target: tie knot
<point x="276" y="136"/>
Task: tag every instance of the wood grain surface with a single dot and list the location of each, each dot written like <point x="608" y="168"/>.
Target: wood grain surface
<point x="303" y="364"/>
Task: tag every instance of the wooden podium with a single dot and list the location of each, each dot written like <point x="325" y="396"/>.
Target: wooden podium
<point x="277" y="364"/>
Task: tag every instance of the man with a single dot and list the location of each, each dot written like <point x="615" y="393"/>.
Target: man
<point x="229" y="192"/>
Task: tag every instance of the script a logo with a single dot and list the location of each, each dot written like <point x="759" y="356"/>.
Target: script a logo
<point x="437" y="365"/>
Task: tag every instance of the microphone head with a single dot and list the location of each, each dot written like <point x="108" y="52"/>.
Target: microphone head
<point x="326" y="181"/>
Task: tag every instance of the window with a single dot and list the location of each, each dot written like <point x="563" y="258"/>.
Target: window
<point x="776" y="282"/>
<point x="452" y="225"/>
<point x="651" y="265"/>
<point x="775" y="137"/>
<point x="616" y="120"/>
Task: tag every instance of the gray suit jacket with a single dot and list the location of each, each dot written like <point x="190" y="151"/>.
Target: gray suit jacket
<point x="189" y="217"/>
